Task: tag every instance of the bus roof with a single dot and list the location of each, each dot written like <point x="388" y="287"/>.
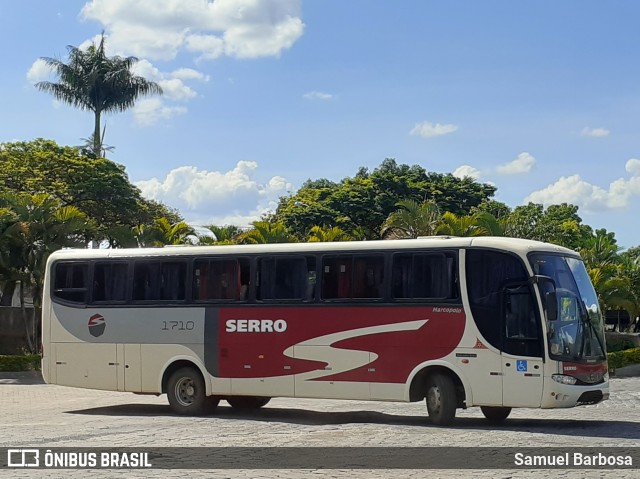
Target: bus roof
<point x="516" y="245"/>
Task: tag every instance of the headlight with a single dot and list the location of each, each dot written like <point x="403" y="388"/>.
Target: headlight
<point x="562" y="379"/>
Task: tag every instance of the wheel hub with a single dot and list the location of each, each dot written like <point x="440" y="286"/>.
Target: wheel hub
<point x="434" y="399"/>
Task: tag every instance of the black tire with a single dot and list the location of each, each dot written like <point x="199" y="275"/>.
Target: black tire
<point x="495" y="414"/>
<point x="186" y="392"/>
<point x="441" y="399"/>
<point x="247" y="402"/>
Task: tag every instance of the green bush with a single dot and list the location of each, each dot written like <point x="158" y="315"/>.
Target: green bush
<point x="620" y="359"/>
<point x="615" y="345"/>
<point x="28" y="362"/>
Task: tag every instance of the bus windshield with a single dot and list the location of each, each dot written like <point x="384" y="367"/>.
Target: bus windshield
<point x="577" y="331"/>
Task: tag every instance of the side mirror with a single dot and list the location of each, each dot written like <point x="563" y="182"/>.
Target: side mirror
<point x="551" y="305"/>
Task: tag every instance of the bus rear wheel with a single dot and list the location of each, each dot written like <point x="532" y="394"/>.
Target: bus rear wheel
<point x="495" y="414"/>
<point x="247" y="402"/>
<point x="186" y="392"/>
<point x="441" y="399"/>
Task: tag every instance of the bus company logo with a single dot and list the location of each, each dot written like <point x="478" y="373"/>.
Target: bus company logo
<point x="96" y="325"/>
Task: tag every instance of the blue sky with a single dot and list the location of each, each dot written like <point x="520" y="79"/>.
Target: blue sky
<point x="541" y="99"/>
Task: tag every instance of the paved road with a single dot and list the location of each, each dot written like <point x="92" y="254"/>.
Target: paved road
<point x="38" y="415"/>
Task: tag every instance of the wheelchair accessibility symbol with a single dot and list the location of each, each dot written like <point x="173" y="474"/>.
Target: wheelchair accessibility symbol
<point x="521" y="365"/>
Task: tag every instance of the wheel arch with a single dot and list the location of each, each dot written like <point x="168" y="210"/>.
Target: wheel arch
<point x="180" y="362"/>
<point x="416" y="385"/>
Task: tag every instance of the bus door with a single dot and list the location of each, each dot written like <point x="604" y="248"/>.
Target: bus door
<point x="129" y="367"/>
<point x="80" y="358"/>
<point x="522" y="348"/>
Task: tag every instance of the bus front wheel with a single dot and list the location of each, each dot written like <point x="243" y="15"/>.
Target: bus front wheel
<point x="186" y="392"/>
<point x="494" y="414"/>
<point x="247" y="402"/>
<point x="441" y="399"/>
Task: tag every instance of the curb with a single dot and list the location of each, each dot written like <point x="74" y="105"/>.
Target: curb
<point x="628" y="371"/>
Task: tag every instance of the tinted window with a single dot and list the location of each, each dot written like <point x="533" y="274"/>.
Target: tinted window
<point x="487" y="274"/>
<point x="110" y="281"/>
<point x="424" y="276"/>
<point x="221" y="279"/>
<point x="70" y="282"/>
<point x="352" y="277"/>
<point x="159" y="281"/>
<point x="286" y="277"/>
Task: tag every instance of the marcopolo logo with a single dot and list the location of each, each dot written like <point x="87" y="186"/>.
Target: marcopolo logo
<point x="96" y="325"/>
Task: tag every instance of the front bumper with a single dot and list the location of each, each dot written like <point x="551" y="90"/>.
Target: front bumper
<point x="558" y="395"/>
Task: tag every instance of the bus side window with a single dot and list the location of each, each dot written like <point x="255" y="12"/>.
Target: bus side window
<point x="221" y="279"/>
<point x="336" y="277"/>
<point x="352" y="276"/>
<point x="424" y="276"/>
<point x="110" y="282"/>
<point x="216" y="279"/>
<point x="368" y="275"/>
<point x="159" y="281"/>
<point x="285" y="278"/>
<point x="70" y="282"/>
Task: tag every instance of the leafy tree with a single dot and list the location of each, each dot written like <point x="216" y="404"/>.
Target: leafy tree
<point x="488" y="225"/>
<point x="412" y="219"/>
<point x="454" y="225"/>
<point x="12" y="232"/>
<point x="227" y="234"/>
<point x="162" y="232"/>
<point x="497" y="209"/>
<point x="559" y="224"/>
<point x="34" y="227"/>
<point x="95" y="82"/>
<point x="264" y="232"/>
<point x="600" y="250"/>
<point x="98" y="187"/>
<point x="328" y="234"/>
<point x="366" y="200"/>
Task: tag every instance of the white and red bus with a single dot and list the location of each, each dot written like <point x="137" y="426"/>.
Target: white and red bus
<point x="491" y="322"/>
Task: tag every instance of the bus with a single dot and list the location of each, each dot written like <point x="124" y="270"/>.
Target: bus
<point x="498" y="323"/>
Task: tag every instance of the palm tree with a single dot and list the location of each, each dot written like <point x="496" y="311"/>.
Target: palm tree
<point x="162" y="232"/>
<point x="411" y="220"/>
<point x="266" y="232"/>
<point x="95" y="82"/>
<point x="454" y="225"/>
<point x="11" y="232"/>
<point x="223" y="235"/>
<point x="489" y="225"/>
<point x="31" y="228"/>
<point x="326" y="234"/>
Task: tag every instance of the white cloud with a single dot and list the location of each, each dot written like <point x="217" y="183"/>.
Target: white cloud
<point x="39" y="71"/>
<point x="467" y="171"/>
<point x="317" y="95"/>
<point x="522" y="164"/>
<point x="175" y="89"/>
<point x="149" y="111"/>
<point x="430" y="130"/>
<point x="231" y="197"/>
<point x="159" y="30"/>
<point x="189" y="74"/>
<point x="591" y="198"/>
<point x="633" y="167"/>
<point x="595" y="132"/>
